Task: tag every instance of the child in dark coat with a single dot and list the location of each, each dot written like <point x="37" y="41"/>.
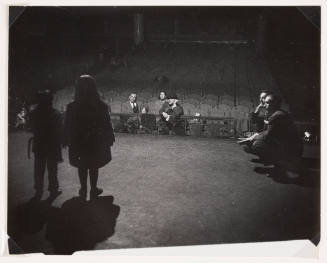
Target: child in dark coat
<point x="46" y="126"/>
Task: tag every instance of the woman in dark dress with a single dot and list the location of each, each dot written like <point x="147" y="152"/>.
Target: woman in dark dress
<point x="88" y="133"/>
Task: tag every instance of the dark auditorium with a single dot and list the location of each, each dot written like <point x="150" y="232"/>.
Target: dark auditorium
<point x="162" y="126"/>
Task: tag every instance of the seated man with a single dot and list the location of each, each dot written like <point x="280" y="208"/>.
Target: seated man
<point x="172" y="116"/>
<point x="133" y="107"/>
<point x="279" y="143"/>
<point x="258" y="116"/>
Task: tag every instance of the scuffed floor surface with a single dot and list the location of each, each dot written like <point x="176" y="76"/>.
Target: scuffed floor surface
<point x="160" y="191"/>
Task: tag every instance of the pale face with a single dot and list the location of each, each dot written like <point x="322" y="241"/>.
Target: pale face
<point x="268" y="102"/>
<point x="162" y="95"/>
<point x="263" y="95"/>
<point x="132" y="98"/>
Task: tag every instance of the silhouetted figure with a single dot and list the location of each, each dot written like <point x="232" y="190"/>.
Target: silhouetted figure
<point x="172" y="116"/>
<point x="46" y="126"/>
<point x="279" y="143"/>
<point x="88" y="133"/>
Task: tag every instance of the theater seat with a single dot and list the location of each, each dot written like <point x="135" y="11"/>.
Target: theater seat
<point x="205" y="110"/>
<point x="189" y="109"/>
<point x="211" y="102"/>
<point x="154" y="107"/>
<point x="227" y="100"/>
<point x="192" y="101"/>
<point x="120" y="99"/>
<point x="215" y="112"/>
<point x="110" y="95"/>
<point x="116" y="107"/>
<point x="145" y="95"/>
<point x="225" y="110"/>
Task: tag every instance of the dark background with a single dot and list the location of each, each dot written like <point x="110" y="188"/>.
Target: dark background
<point x="44" y="41"/>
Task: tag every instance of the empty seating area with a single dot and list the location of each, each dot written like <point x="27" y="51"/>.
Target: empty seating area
<point x="215" y="80"/>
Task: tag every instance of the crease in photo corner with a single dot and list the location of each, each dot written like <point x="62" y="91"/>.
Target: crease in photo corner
<point x="16" y="10"/>
<point x="309" y="250"/>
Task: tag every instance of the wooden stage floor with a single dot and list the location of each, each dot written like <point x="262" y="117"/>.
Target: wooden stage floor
<point x="161" y="191"/>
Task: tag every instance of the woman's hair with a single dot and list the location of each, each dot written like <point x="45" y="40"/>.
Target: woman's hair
<point x="276" y="99"/>
<point x="86" y="91"/>
<point x="160" y="93"/>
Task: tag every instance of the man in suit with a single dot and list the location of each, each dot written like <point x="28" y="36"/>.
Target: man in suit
<point x="279" y="143"/>
<point x="132" y="108"/>
<point x="132" y="105"/>
<point x="258" y="116"/>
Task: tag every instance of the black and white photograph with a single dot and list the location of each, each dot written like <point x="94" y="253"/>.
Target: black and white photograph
<point x="162" y="126"/>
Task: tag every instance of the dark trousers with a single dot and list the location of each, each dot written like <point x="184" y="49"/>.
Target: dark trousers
<point x="162" y="127"/>
<point x="273" y="153"/>
<point x="165" y="126"/>
<point x="82" y="174"/>
<point x="132" y="124"/>
<point x="40" y="163"/>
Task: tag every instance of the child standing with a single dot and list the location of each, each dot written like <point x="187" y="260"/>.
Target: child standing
<point x="46" y="126"/>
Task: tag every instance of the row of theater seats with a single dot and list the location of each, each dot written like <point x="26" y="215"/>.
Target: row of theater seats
<point x="207" y="106"/>
<point x="220" y="107"/>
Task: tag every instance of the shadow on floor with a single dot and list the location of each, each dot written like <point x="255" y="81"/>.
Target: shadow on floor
<point x="308" y="176"/>
<point x="77" y="225"/>
<point x="26" y="219"/>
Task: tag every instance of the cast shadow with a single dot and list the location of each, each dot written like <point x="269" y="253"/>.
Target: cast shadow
<point x="308" y="176"/>
<point x="79" y="224"/>
<point x="27" y="219"/>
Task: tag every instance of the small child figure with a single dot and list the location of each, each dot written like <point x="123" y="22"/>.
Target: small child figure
<point x="46" y="126"/>
<point x="21" y="119"/>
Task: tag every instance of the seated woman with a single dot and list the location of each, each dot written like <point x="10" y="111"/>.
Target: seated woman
<point x="171" y="116"/>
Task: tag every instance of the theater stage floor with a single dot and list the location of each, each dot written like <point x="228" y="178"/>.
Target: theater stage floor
<point x="167" y="191"/>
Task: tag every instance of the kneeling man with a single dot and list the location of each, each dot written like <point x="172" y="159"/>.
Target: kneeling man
<point x="279" y="143"/>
